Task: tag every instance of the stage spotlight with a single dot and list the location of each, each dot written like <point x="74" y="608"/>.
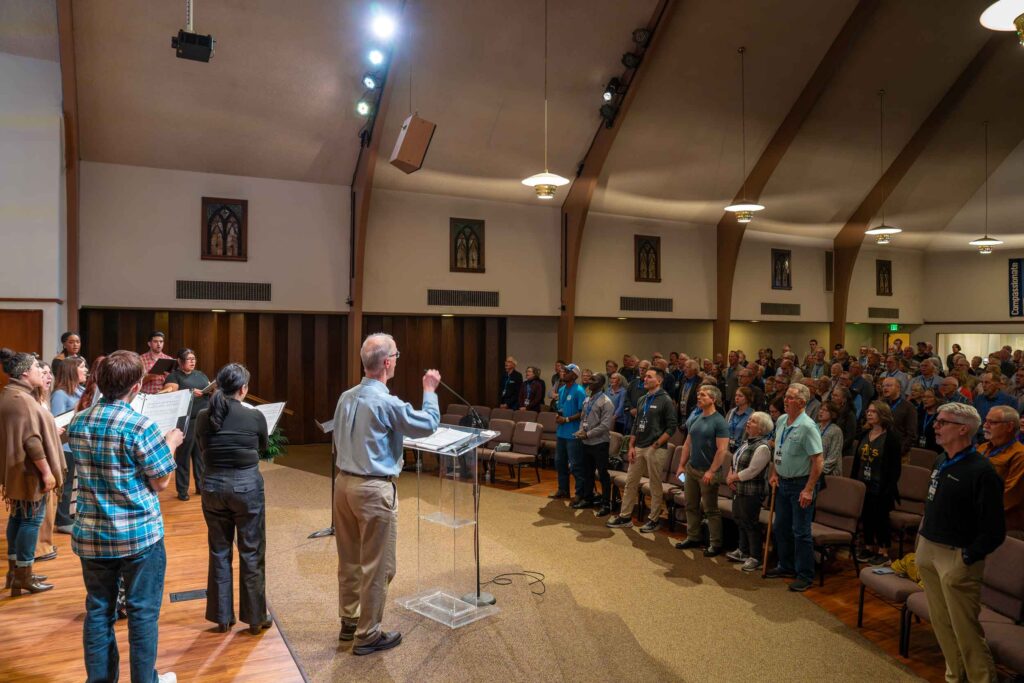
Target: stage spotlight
<point x="363" y="108"/>
<point x="370" y="81"/>
<point x="608" y="113"/>
<point x="631" y="60"/>
<point x="642" y="36"/>
<point x="611" y="90"/>
<point x="376" y="57"/>
<point x="383" y="26"/>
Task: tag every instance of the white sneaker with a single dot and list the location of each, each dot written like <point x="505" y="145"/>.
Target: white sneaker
<point x="736" y="556"/>
<point x="169" y="677"/>
<point x="751" y="565"/>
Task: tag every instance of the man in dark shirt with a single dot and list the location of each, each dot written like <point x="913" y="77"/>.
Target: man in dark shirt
<point x="745" y="378"/>
<point x="510" y="383"/>
<point x="634" y="392"/>
<point x="904" y="414"/>
<point x="963" y="522"/>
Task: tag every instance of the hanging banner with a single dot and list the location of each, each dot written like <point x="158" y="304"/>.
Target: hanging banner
<point x="1016" y="305"/>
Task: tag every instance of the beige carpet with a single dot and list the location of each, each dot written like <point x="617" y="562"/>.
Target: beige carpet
<point x="619" y="606"/>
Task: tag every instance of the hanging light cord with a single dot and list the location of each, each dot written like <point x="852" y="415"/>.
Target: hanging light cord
<point x="545" y="86"/>
<point x="986" y="179"/>
<point x="743" y="121"/>
<point x="881" y="144"/>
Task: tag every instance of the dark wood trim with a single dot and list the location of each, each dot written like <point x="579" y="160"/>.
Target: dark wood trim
<point x="848" y="241"/>
<point x="577" y="201"/>
<point x="729" y="235"/>
<point x="8" y="300"/>
<point x="69" y="106"/>
<point x="243" y="237"/>
<point x="362" y="187"/>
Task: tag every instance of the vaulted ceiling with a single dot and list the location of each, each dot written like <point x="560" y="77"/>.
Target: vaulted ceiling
<point x="277" y="101"/>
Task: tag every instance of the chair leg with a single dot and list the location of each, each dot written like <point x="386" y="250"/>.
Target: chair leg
<point x="860" y="609"/>
<point x="670" y="506"/>
<point x="905" y="632"/>
<point x="902" y="534"/>
<point x="519" y="475"/>
<point x="821" y="568"/>
<point x="536" y="467"/>
<point x="853" y="555"/>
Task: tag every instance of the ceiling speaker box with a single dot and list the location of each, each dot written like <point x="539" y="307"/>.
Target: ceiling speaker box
<point x="411" y="146"/>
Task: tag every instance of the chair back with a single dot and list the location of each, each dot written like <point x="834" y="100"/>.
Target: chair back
<point x="1002" y="587"/>
<point x="459" y="409"/>
<point x="504" y="429"/>
<point x="614" y="443"/>
<point x="847" y="465"/>
<point x="913" y="488"/>
<point x="677" y="438"/>
<point x="840" y="504"/>
<point x="547" y="421"/>
<point x="450" y="419"/>
<point x="922" y="457"/>
<point x="483" y="411"/>
<point x="673" y="465"/>
<point x="526" y="437"/>
<point x="502" y="414"/>
<point x="525" y="416"/>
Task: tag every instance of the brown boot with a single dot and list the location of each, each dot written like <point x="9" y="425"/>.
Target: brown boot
<point x="11" y="566"/>
<point x="24" y="581"/>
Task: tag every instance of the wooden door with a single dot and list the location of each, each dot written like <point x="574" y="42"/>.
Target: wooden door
<point x="21" y="331"/>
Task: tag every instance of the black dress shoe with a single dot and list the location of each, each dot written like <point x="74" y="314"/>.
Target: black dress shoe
<point x="182" y="496"/>
<point x="558" y="494"/>
<point x="224" y="628"/>
<point x="387" y="640"/>
<point x="712" y="551"/>
<point x="261" y="626"/>
<point x="52" y="555"/>
<point x="348" y="632"/>
<point x="687" y="544"/>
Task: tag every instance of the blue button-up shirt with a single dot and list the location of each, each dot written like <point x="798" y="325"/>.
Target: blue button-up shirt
<point x="570" y="402"/>
<point x="117" y="451"/>
<point x="370" y="423"/>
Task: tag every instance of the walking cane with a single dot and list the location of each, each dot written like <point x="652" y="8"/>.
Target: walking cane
<point x="768" y="534"/>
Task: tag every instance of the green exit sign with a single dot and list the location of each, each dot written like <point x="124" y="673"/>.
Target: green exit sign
<point x="893" y="327"/>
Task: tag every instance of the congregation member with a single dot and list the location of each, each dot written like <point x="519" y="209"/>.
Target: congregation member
<point x="635" y="391"/>
<point x="845" y="418"/>
<point x="926" y="415"/>
<point x="556" y="382"/>
<point x="670" y="386"/>
<point x="647" y="454"/>
<point x="749" y="484"/>
<point x="892" y="369"/>
<point x="1006" y="455"/>
<point x="859" y="386"/>
<point x="31" y="466"/>
<point x="991" y="395"/>
<point x="949" y="391"/>
<point x="955" y="351"/>
<point x="688" y="387"/>
<point x="616" y="392"/>
<point x="230" y="437"/>
<point x="70" y="347"/>
<point x="567" y="448"/>
<point x="68" y="389"/>
<point x="796" y="466"/>
<point x="929" y="377"/>
<point x="878" y="463"/>
<point x="153" y="383"/>
<point x="188" y="456"/>
<point x="122" y="462"/>
<point x="738" y="415"/>
<point x="369" y="425"/>
<point x="594" y="435"/>
<point x="904" y="415"/>
<point x="629" y="368"/>
<point x="963" y="522"/>
<point x="511" y="381"/>
<point x="705" y="450"/>
<point x="531" y="391"/>
<point x="831" y="439"/>
<point x="747" y="377"/>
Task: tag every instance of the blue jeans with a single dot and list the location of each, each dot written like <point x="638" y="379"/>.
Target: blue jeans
<point x="143" y="576"/>
<point x="23" y="531"/>
<point x="64" y="505"/>
<point x="568" y="457"/>
<point x="792" y="528"/>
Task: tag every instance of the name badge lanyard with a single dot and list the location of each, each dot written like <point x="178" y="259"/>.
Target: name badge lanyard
<point x="642" y="426"/>
<point x="782" y="443"/>
<point x="734" y="422"/>
<point x="928" y="419"/>
<point x="934" y="484"/>
<point x="993" y="452"/>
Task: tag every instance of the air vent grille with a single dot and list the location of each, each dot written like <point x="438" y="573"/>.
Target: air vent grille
<point x="644" y="303"/>
<point x="222" y="291"/>
<point x="884" y="313"/>
<point x="461" y="297"/>
<point x="779" y="309"/>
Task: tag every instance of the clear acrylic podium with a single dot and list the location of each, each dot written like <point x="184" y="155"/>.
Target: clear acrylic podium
<point x="447" y="532"/>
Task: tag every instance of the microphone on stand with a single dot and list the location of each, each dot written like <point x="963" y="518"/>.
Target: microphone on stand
<point x="474" y="419"/>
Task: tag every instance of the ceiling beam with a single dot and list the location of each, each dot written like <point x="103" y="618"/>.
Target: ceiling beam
<point x="577" y="201"/>
<point x="848" y="241"/>
<point x="729" y="235"/>
<point x="359" y="218"/>
<point x="69" y="106"/>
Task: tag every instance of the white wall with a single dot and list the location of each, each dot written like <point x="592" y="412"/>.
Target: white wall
<point x="607" y="270"/>
<point x="32" y="228"/>
<point x="407" y="254"/>
<point x="533" y="341"/>
<point x="600" y="339"/>
<point x="963" y="286"/>
<point x="140" y="232"/>
<point x="753" y="282"/>
<point x="907" y="282"/>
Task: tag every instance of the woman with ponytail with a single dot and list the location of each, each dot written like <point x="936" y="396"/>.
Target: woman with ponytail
<point x="231" y="436"/>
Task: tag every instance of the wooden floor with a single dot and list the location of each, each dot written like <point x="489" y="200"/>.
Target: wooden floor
<point x="47" y="646"/>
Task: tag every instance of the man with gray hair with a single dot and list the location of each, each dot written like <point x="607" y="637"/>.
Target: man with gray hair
<point x="949" y="391"/>
<point x="369" y="426"/>
<point x="1006" y="455"/>
<point x="963" y="522"/>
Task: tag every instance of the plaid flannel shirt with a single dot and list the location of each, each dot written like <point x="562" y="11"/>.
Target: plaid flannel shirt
<point x="117" y="451"/>
<point x="149" y="359"/>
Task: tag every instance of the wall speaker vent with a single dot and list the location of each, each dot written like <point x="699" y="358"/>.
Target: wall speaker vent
<point x="779" y="309"/>
<point x="222" y="291"/>
<point x="644" y="303"/>
<point x="893" y="313"/>
<point x="461" y="297"/>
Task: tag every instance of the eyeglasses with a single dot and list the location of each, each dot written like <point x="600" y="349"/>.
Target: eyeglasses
<point x="942" y="423"/>
<point x="396" y="355"/>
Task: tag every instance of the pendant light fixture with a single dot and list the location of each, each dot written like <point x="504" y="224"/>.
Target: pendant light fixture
<point x="744" y="208"/>
<point x="985" y="244"/>
<point x="1005" y="15"/>
<point x="883" y="232"/>
<point x="544" y="184"/>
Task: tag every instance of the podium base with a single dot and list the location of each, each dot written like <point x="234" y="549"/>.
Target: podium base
<point x="481" y="600"/>
<point x="447" y="609"/>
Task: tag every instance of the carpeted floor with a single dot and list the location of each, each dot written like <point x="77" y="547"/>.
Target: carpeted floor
<point x="618" y="606"/>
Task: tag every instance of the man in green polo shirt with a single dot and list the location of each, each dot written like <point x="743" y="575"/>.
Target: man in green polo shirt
<point x="795" y="471"/>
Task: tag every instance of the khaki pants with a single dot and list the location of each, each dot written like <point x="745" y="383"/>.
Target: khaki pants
<point x="365" y="529"/>
<point x="652" y="462"/>
<point x="700" y="495"/>
<point x="953" y="591"/>
<point x="45" y="543"/>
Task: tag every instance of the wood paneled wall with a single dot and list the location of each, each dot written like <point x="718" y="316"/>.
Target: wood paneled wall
<point x="300" y="358"/>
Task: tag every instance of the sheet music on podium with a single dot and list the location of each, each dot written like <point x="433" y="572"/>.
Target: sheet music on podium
<point x="272" y="413"/>
<point x="164" y="409"/>
<point x="443" y="438"/>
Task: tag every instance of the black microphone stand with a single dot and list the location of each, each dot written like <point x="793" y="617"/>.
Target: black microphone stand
<point x="328" y="531"/>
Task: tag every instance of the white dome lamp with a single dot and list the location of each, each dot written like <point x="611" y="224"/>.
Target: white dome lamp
<point x="1005" y="15"/>
<point x="744" y="208"/>
<point x="882" y="232"/>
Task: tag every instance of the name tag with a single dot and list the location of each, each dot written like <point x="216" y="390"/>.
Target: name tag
<point x="867" y="471"/>
<point x="933" y="485"/>
<point x="641" y="424"/>
<point x="922" y="441"/>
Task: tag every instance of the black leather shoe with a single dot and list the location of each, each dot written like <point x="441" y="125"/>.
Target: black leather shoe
<point x="387" y="640"/>
<point x="558" y="495"/>
<point x="183" y="496"/>
<point x="266" y="623"/>
<point x="687" y="544"/>
<point x="779" y="573"/>
<point x="348" y="632"/>
<point x="712" y="551"/>
<point x="224" y="628"/>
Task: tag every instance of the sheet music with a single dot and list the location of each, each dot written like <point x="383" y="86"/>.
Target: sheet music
<point x="64" y="419"/>
<point x="272" y="413"/>
<point x="325" y="427"/>
<point x="165" y="409"/>
<point x="445" y="437"/>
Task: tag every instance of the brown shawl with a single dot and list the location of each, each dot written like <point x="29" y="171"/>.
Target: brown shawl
<point x="25" y="423"/>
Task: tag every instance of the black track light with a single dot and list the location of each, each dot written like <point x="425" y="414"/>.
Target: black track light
<point x="631" y="60"/>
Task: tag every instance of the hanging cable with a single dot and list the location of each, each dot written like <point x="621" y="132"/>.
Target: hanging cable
<point x="986" y="179"/>
<point x="743" y="119"/>
<point x="188" y="16"/>
<point x="545" y="86"/>
<point x="881" y="146"/>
